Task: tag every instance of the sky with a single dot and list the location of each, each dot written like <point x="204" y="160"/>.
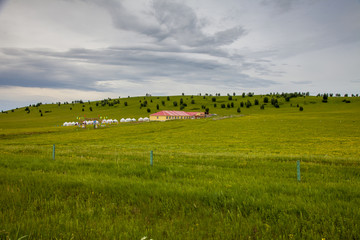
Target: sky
<point x="65" y="50"/>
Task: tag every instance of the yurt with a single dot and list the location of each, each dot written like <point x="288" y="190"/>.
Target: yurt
<point x="146" y="119"/>
<point x="128" y="120"/>
<point x="134" y="120"/>
<point x="140" y="119"/>
<point x="122" y="120"/>
<point x="115" y="121"/>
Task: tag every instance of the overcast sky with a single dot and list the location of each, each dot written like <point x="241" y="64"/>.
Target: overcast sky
<point x="64" y="50"/>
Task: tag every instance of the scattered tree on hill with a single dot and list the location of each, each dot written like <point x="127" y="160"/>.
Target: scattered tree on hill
<point x="213" y="99"/>
<point x="228" y="105"/>
<point x="238" y="110"/>
<point x="181" y="101"/>
<point x="243" y="94"/>
<point x="83" y="109"/>
<point x="262" y="107"/>
<point x="223" y="105"/>
<point x="207" y="110"/>
<point x="242" y="104"/>
<point x="256" y="102"/>
<point x="248" y="104"/>
<point x="41" y="115"/>
<point x="125" y="104"/>
<point x="301" y="109"/>
<point x="168" y="98"/>
<point x="215" y="105"/>
<point x="175" y="103"/>
<point x="90" y="108"/>
<point x="148" y="110"/>
<point x="266" y="99"/>
<point x="325" y="98"/>
<point x="157" y="106"/>
<point x="232" y="104"/>
<point x="193" y="101"/>
<point x="163" y="102"/>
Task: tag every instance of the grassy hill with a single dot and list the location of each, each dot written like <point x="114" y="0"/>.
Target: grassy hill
<point x="232" y="176"/>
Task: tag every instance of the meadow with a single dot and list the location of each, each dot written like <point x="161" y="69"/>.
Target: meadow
<point x="230" y="176"/>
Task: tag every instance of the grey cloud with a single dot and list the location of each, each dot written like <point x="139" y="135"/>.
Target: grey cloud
<point x="44" y="68"/>
<point x="301" y="82"/>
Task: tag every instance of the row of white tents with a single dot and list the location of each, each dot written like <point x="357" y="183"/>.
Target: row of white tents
<point x="106" y="121"/>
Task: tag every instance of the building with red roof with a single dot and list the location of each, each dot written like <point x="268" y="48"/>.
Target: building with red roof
<point x="172" y="115"/>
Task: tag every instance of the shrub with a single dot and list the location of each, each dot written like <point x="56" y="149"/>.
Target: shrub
<point x="215" y="105"/>
<point x="228" y="105"/>
<point x="181" y="101"/>
<point x="223" y="105"/>
<point x="262" y="107"/>
<point x="90" y="108"/>
<point x="168" y="98"/>
<point x="125" y="104"/>
<point x="301" y="109"/>
<point x="232" y="104"/>
<point x="163" y="102"/>
<point x="230" y="98"/>
<point x="157" y="106"/>
<point x="148" y="110"/>
<point x="193" y="101"/>
<point x="256" y="102"/>
<point x="175" y="103"/>
<point x="242" y="104"/>
<point x="207" y="110"/>
<point x="238" y="110"/>
<point x="214" y="99"/>
<point x="266" y="99"/>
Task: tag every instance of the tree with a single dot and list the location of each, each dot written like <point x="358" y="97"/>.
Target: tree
<point x="256" y="102"/>
<point x="157" y="106"/>
<point x="232" y="104"/>
<point x="168" y="98"/>
<point x="175" y="103"/>
<point x="214" y="99"/>
<point x="148" y="110"/>
<point x="230" y="98"/>
<point x="181" y="101"/>
<point x="228" y="105"/>
<point x="242" y="104"/>
<point x="215" y="105"/>
<point x="193" y="101"/>
<point x="266" y="99"/>
<point x="207" y="110"/>
<point x="90" y="108"/>
<point x="238" y="110"/>
<point x="325" y="98"/>
<point x="301" y="109"/>
<point x="125" y="104"/>
<point x="262" y="107"/>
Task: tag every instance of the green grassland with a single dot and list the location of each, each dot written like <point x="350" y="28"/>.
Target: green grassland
<point x="231" y="176"/>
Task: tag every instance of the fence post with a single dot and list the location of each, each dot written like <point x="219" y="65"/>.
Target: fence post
<point x="151" y="158"/>
<point x="54" y="152"/>
<point x="298" y="170"/>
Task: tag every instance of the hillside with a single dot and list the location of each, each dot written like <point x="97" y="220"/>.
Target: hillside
<point x="40" y="115"/>
<point x="230" y="176"/>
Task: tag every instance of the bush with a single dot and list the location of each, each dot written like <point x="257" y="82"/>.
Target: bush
<point x="230" y="98"/>
<point x="223" y="105"/>
<point x="168" y="98"/>
<point x="148" y="110"/>
<point x="262" y="107"/>
<point x="256" y="102"/>
<point x="214" y="99"/>
<point x="238" y="110"/>
<point x="157" y="106"/>
<point x="248" y="104"/>
<point x="242" y="104"/>
<point x="232" y="104"/>
<point x="175" y="103"/>
<point x="90" y="108"/>
<point x="193" y="101"/>
<point x="207" y="111"/>
<point x="215" y="105"/>
<point x="228" y="105"/>
<point x="181" y="101"/>
<point x="125" y="104"/>
<point x="266" y="99"/>
<point x="301" y="109"/>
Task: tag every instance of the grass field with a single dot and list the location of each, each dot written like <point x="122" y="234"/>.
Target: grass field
<point x="232" y="176"/>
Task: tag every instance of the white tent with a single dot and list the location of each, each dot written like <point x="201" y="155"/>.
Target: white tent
<point x="134" y="120"/>
<point x="115" y="121"/>
<point x="65" y="124"/>
<point x="128" y="120"/>
<point x="140" y="119"/>
<point x="122" y="120"/>
<point x="146" y="119"/>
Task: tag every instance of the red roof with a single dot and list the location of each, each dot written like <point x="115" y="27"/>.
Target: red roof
<point x="174" y="113"/>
